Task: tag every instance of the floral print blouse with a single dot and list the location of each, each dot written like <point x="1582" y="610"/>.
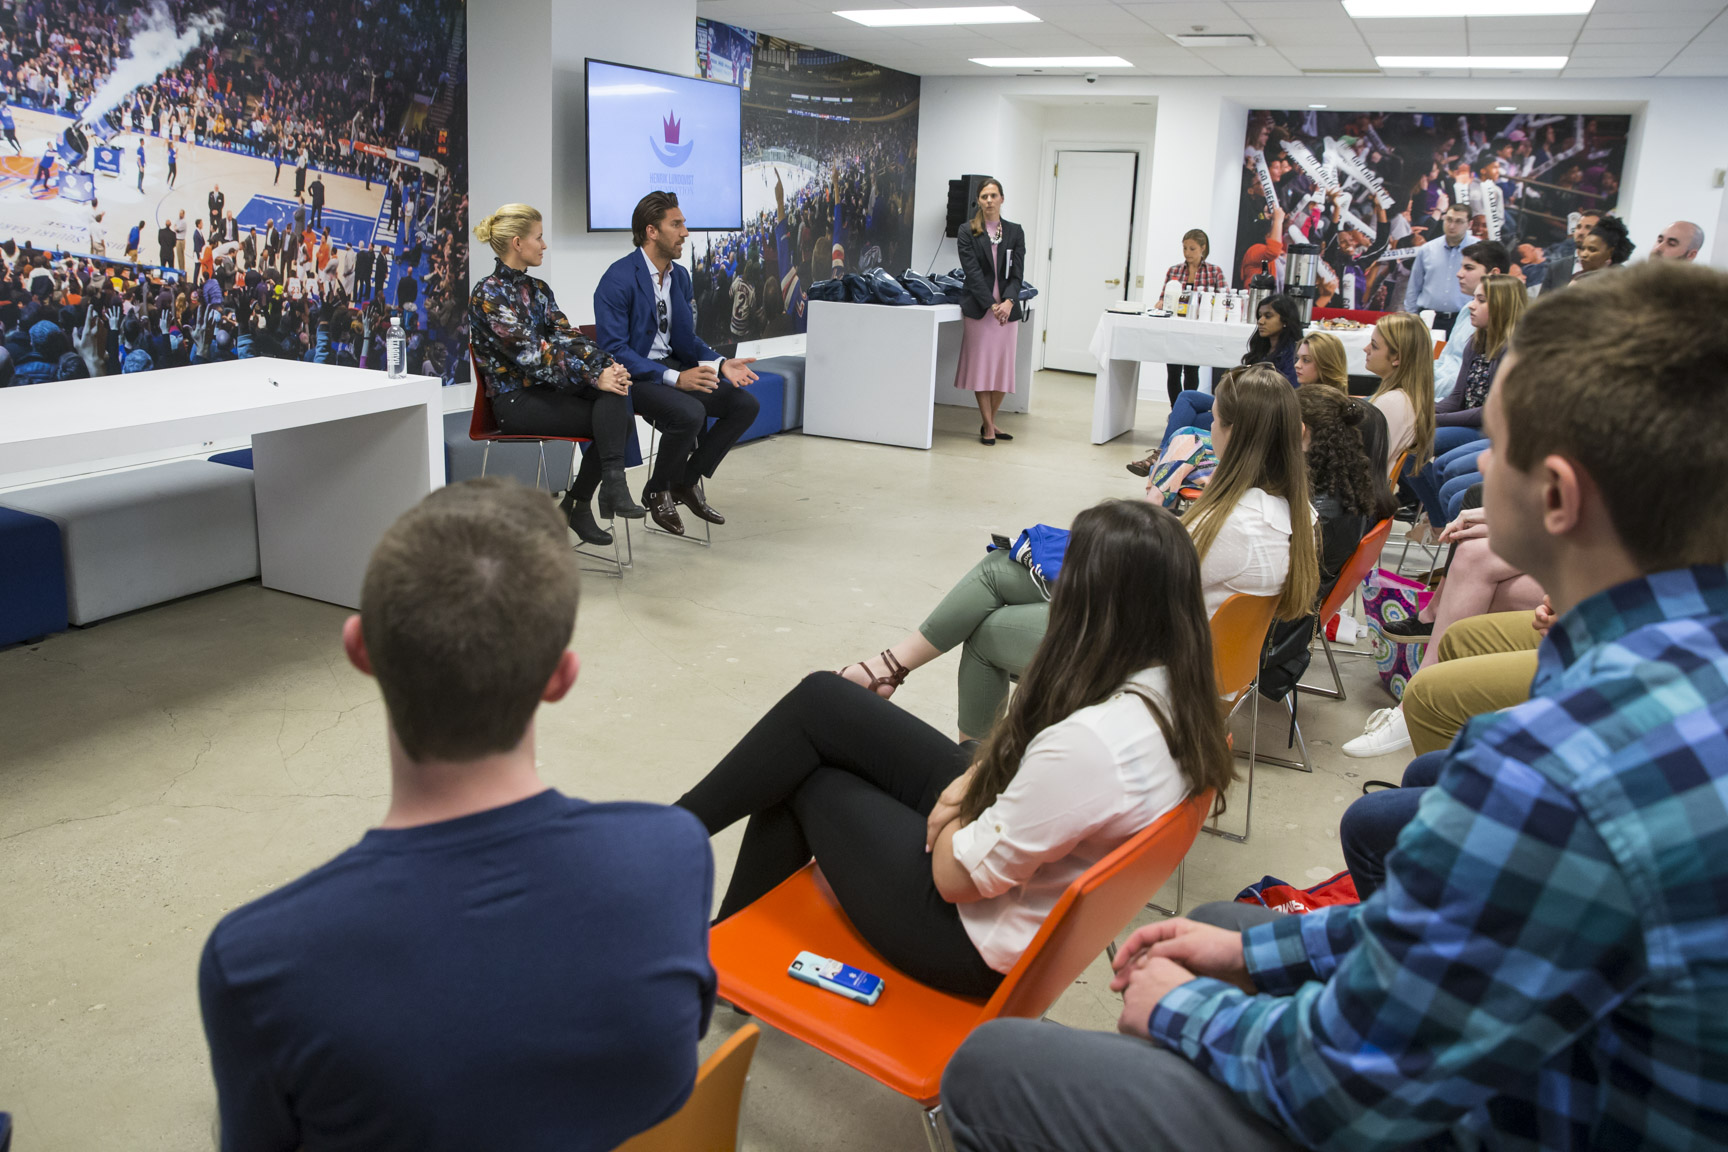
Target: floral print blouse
<point x="520" y="338"/>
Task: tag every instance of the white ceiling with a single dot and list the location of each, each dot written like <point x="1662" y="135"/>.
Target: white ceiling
<point x="1619" y="38"/>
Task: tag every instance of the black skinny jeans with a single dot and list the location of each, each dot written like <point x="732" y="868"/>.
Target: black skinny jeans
<point x="836" y="772"/>
<point x="1181" y="377"/>
<point x="603" y="417"/>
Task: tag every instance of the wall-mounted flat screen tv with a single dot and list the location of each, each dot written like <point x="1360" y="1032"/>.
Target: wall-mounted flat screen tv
<point x="654" y="131"/>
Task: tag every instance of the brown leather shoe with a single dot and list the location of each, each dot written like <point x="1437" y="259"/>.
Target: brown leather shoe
<point x="692" y="499"/>
<point x="663" y="511"/>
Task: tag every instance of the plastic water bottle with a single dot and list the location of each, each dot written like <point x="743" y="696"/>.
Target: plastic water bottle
<point x="396" y="350"/>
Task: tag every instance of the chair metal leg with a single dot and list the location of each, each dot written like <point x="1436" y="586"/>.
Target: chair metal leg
<point x="1302" y="765"/>
<point x="1181" y="871"/>
<point x="707" y="540"/>
<point x="1253" y="750"/>
<point x="612" y="565"/>
<point x="485" y="455"/>
<point x="1336" y="692"/>
<point x="935" y="1132"/>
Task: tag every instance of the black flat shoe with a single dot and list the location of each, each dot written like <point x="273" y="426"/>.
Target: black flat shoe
<point x="990" y="440"/>
<point x="1000" y="435"/>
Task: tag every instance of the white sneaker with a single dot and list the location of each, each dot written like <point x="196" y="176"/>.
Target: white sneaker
<point x="1386" y="733"/>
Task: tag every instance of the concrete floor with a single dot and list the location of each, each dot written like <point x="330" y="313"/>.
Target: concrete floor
<point x="158" y="769"/>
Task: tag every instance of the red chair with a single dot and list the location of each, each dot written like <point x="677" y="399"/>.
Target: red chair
<point x="483" y="428"/>
<point x="906" y="1038"/>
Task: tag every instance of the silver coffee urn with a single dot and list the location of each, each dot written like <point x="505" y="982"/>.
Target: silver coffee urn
<point x="1302" y="277"/>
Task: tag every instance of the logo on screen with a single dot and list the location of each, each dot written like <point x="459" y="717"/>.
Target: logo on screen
<point x="671" y="153"/>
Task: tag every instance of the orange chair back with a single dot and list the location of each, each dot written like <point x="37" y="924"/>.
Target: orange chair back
<point x="1095" y="908"/>
<point x="708" y="1122"/>
<point x="906" y="1038"/>
<point x="1239" y="630"/>
<point x="1356" y="569"/>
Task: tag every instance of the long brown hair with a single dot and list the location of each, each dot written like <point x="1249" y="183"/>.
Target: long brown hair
<point x="1264" y="451"/>
<point x="1507" y="298"/>
<point x="1408" y="339"/>
<point x="1128" y="599"/>
<point x="978" y="216"/>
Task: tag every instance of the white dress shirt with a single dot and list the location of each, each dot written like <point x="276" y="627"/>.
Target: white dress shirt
<point x="1400" y="424"/>
<point x="1084" y="786"/>
<point x="1252" y="551"/>
<point x="662" y="347"/>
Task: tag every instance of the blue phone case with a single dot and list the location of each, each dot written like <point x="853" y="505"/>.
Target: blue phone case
<point x="833" y="976"/>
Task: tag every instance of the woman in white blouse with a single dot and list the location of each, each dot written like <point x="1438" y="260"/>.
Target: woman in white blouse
<point x="1253" y="527"/>
<point x="1401" y="352"/>
<point x="946" y="865"/>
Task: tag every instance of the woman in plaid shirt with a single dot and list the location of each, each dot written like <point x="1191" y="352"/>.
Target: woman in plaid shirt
<point x="1193" y="272"/>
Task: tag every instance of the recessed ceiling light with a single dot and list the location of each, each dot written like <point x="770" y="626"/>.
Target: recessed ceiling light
<point x="931" y="17"/>
<point x="1405" y="9"/>
<point x="1316" y="105"/>
<point x="1217" y="39"/>
<point x="1506" y="108"/>
<point x="1534" y="63"/>
<point x="1052" y="61"/>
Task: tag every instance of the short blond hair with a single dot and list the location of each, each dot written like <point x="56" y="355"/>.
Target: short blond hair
<point x="508" y="222"/>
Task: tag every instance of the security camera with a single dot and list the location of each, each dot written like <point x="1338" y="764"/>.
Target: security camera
<point x="1091" y="77"/>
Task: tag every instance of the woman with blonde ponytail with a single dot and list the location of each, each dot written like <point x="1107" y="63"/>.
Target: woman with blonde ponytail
<point x="544" y="378"/>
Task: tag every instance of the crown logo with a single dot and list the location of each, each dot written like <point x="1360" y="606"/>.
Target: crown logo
<point x="670" y="126"/>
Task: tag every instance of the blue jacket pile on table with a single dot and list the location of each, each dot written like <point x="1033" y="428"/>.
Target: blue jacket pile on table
<point x="876" y="286"/>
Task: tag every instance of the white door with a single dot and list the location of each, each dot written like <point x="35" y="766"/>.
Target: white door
<point x="1088" y="258"/>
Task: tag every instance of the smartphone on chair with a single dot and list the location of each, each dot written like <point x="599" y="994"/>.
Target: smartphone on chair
<point x="833" y="976"/>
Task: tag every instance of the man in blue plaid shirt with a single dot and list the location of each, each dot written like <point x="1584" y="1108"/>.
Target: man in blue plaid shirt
<point x="1547" y="964"/>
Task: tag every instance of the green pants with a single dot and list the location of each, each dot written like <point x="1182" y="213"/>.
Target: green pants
<point x="999" y="615"/>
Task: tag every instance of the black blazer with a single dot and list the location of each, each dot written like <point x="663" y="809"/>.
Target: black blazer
<point x="975" y="263"/>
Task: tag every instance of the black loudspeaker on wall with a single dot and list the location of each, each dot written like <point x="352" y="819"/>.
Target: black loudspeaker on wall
<point x="962" y="202"/>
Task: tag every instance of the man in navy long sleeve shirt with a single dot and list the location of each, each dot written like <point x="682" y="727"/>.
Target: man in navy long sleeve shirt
<point x="496" y="965"/>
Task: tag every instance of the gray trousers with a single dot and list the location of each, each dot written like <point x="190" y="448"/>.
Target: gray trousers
<point x="1033" y="1086"/>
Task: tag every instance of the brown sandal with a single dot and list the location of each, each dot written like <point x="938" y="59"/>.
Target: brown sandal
<point x="897" y="673"/>
<point x="1142" y="467"/>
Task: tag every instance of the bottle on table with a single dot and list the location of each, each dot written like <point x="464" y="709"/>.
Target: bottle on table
<point x="396" y="350"/>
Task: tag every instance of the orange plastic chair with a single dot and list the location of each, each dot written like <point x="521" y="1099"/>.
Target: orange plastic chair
<point x="1239" y="629"/>
<point x="1356" y="570"/>
<point x="906" y="1038"/>
<point x="708" y="1122"/>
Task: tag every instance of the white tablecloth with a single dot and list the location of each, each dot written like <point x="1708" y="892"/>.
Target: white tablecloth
<point x="1169" y="340"/>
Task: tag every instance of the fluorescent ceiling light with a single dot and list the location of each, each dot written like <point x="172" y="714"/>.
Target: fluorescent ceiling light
<point x="1533" y="63"/>
<point x="1052" y="61"/>
<point x="1217" y="39"/>
<point x="1428" y="9"/>
<point x="1316" y="105"/>
<point x="1506" y="108"/>
<point x="931" y="17"/>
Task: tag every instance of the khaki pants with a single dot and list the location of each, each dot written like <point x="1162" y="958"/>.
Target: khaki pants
<point x="1486" y="664"/>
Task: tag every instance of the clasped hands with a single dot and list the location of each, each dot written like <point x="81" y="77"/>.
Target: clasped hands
<point x="1002" y="310"/>
<point x="614" y="378"/>
<point x="1158" y="957"/>
<point x="703" y="378"/>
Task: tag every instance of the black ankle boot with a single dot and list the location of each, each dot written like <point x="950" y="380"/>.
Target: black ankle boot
<point x="581" y="519"/>
<point x="615" y="497"/>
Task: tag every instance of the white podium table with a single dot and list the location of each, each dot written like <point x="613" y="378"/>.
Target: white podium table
<point x="874" y="372"/>
<point x="338" y="453"/>
<point x="1123" y="341"/>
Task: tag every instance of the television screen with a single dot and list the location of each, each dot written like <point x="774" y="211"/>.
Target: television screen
<point x="653" y="131"/>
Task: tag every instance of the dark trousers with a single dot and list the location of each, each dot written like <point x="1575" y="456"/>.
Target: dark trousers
<point x="689" y="449"/>
<point x="1182" y="376"/>
<point x="1443" y="321"/>
<point x="1034" y="1086"/>
<point x="1372" y="823"/>
<point x="836" y="772"/>
<point x="317" y="213"/>
<point x="603" y="417"/>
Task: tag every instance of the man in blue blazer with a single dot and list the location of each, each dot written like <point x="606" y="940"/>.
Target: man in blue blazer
<point x="643" y="317"/>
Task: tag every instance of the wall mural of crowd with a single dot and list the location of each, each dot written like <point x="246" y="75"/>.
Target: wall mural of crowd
<point x="182" y="183"/>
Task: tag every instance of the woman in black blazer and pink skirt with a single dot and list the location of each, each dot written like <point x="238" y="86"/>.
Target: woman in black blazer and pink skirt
<point x="993" y="257"/>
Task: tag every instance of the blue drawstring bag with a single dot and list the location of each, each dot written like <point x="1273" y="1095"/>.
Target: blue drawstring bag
<point x="1041" y="549"/>
<point x="1027" y="292"/>
<point x="830" y="290"/>
<point x="887" y="290"/>
<point x="921" y="287"/>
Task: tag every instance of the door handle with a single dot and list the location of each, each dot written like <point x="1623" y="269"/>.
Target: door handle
<point x="1114" y="283"/>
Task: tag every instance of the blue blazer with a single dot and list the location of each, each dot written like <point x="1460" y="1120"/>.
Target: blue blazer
<point x="624" y="320"/>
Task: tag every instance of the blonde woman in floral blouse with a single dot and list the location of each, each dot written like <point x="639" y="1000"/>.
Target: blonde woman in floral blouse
<point x="545" y="378"/>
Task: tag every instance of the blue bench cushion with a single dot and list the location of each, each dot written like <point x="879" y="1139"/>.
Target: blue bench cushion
<point x="239" y="458"/>
<point x="32" y="577"/>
